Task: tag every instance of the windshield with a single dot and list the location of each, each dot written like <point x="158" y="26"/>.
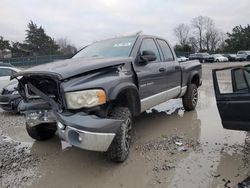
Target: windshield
<point x="117" y="47"/>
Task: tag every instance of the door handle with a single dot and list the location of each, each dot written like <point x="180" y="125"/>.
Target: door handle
<point x="162" y="69"/>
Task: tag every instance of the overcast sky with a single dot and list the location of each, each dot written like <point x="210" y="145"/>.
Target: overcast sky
<point x="84" y="21"/>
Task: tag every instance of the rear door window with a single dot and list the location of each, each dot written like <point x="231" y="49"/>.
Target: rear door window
<point x="167" y="53"/>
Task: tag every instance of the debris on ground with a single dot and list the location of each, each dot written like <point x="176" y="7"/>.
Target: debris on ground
<point x="179" y="143"/>
<point x="171" y="145"/>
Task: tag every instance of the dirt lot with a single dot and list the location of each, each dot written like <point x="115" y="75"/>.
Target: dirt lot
<point x="171" y="148"/>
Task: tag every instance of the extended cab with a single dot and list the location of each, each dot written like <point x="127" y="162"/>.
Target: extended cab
<point x="92" y="98"/>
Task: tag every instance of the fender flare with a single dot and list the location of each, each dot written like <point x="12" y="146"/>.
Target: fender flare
<point x="119" y="88"/>
<point x="136" y="104"/>
<point x="191" y="76"/>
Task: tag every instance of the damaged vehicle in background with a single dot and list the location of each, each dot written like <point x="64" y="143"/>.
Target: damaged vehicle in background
<point x="92" y="98"/>
<point x="10" y="98"/>
<point x="6" y="70"/>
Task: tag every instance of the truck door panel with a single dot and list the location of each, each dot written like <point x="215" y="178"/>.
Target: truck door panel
<point x="234" y="107"/>
<point x="151" y="77"/>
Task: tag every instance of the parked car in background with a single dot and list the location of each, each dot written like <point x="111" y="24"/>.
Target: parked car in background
<point x="219" y="58"/>
<point x="10" y="98"/>
<point x="202" y="57"/>
<point x="182" y="58"/>
<point x="231" y="57"/>
<point x="210" y="59"/>
<point x="6" y="70"/>
<point x="243" y="55"/>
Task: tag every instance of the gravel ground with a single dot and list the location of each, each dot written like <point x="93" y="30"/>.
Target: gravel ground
<point x="18" y="167"/>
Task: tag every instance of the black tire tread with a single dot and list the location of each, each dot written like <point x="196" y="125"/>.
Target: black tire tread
<point x="40" y="132"/>
<point x="187" y="98"/>
<point x="116" y="152"/>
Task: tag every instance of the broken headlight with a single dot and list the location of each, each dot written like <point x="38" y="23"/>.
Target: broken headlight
<point x="85" y="99"/>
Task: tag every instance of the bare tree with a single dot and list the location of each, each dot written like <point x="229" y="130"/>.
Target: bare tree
<point x="210" y="33"/>
<point x="193" y="43"/>
<point x="222" y="40"/>
<point x="182" y="34"/>
<point x="65" y="47"/>
<point x="201" y="23"/>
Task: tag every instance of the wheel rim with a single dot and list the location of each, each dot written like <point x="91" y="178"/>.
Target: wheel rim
<point x="195" y="97"/>
<point x="127" y="133"/>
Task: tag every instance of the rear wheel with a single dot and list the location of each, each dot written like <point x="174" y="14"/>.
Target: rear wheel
<point x="190" y="98"/>
<point x="119" y="148"/>
<point x="42" y="131"/>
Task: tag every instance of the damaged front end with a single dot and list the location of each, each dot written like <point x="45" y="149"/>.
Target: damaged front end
<point x="44" y="103"/>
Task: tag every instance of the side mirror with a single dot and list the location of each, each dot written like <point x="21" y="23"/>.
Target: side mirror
<point x="147" y="56"/>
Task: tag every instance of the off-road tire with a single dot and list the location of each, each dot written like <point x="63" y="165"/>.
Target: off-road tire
<point x="119" y="148"/>
<point x="41" y="132"/>
<point x="190" y="98"/>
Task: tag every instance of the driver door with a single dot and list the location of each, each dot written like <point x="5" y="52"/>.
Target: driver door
<point x="234" y="107"/>
<point x="151" y="76"/>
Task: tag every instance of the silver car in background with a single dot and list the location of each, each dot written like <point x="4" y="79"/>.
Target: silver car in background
<point x="243" y="55"/>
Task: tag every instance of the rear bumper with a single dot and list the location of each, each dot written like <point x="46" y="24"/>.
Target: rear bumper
<point x="9" y="102"/>
<point x="79" y="129"/>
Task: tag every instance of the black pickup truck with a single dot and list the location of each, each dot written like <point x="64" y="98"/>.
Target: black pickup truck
<point x="92" y="98"/>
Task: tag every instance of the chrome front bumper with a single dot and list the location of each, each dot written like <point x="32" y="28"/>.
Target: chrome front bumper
<point x="86" y="140"/>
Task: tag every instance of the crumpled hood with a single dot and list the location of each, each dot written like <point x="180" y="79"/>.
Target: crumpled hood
<point x="71" y="67"/>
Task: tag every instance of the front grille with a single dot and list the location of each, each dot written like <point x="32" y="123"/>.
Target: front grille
<point x="48" y="86"/>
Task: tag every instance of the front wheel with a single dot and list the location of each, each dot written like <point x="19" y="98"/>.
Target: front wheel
<point x="43" y="131"/>
<point x="119" y="148"/>
<point x="190" y="98"/>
